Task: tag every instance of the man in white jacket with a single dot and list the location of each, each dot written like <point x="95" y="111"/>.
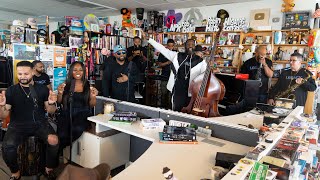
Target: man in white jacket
<point x="186" y="67"/>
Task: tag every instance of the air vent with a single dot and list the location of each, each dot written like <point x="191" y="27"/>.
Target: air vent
<point x="86" y="4"/>
<point x="17" y="11"/>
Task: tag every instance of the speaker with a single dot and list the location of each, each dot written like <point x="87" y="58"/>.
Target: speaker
<point x="139" y="12"/>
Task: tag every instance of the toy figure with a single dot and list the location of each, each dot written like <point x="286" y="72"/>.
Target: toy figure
<point x="277" y="55"/>
<point x="287" y="5"/>
<point x="168" y="174"/>
<point x="172" y="18"/>
<point x="126" y="18"/>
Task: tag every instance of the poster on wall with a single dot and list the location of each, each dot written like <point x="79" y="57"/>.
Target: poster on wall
<point x="46" y="53"/>
<point x="24" y="52"/>
<point x="259" y="17"/>
<point x="60" y="57"/>
<point x="48" y="68"/>
<point x="296" y="19"/>
<point x="59" y="76"/>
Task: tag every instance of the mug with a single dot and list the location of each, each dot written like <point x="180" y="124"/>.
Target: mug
<point x="108" y="108"/>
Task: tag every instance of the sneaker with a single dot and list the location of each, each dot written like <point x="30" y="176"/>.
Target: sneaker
<point x="15" y="178"/>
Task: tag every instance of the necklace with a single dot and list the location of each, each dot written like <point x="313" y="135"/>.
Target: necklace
<point x="185" y="69"/>
<point x="28" y="95"/>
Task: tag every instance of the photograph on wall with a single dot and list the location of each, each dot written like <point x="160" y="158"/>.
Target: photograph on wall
<point x="75" y="42"/>
<point x="60" y="57"/>
<point x="259" y="17"/>
<point x="59" y="76"/>
<point x="46" y="53"/>
<point x="48" y="68"/>
<point x="31" y="36"/>
<point x="296" y="19"/>
<point x="24" y="52"/>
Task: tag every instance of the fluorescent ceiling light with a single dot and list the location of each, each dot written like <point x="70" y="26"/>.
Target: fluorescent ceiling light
<point x="97" y="4"/>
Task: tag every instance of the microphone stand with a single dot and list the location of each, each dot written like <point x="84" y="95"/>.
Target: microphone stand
<point x="128" y="85"/>
<point x="70" y="116"/>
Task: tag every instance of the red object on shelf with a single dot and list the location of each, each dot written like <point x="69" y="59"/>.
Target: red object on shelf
<point x="242" y="76"/>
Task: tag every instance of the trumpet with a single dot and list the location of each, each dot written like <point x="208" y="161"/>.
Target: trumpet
<point x="289" y="93"/>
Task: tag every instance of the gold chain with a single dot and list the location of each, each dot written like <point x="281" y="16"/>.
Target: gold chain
<point x="28" y="95"/>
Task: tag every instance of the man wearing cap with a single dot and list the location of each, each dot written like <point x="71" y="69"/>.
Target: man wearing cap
<point x="118" y="76"/>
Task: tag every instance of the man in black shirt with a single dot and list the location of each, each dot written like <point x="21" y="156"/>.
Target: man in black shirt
<point x="118" y="76"/>
<point x="165" y="64"/>
<point x="40" y="77"/>
<point x="27" y="102"/>
<point x="290" y="77"/>
<point x="138" y="54"/>
<point x="259" y="68"/>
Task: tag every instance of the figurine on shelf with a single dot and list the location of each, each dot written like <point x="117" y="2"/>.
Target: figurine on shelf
<point x="168" y="174"/>
<point x="259" y="40"/>
<point x="290" y="39"/>
<point x="278" y="54"/>
<point x="295" y="38"/>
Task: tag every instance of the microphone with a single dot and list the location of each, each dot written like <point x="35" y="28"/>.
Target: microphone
<point x="72" y="87"/>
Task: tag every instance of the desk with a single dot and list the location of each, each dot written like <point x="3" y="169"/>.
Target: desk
<point x="187" y="161"/>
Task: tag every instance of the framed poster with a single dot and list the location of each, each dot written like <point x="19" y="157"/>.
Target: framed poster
<point x="259" y="17"/>
<point x="60" y="57"/>
<point x="31" y="36"/>
<point x="296" y="19"/>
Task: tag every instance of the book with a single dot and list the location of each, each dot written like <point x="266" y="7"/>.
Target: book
<point x="157" y="122"/>
<point x="161" y="140"/>
<point x="258" y="172"/>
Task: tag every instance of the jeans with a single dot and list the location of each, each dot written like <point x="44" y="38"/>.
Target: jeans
<point x="17" y="134"/>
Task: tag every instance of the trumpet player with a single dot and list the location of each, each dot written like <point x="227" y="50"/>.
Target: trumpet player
<point x="294" y="82"/>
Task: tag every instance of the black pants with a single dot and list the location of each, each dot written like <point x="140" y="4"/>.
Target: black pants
<point x="15" y="135"/>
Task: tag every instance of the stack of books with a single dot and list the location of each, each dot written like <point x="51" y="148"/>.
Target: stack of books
<point x="153" y="124"/>
<point x="178" y="135"/>
<point x="124" y="117"/>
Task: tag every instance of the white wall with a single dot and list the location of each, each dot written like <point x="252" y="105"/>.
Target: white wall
<point x="239" y="10"/>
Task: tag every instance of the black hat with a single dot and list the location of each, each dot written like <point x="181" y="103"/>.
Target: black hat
<point x="42" y="32"/>
<point x="63" y="28"/>
<point x="222" y="14"/>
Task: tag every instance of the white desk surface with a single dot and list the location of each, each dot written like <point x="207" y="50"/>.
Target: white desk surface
<point x="187" y="161"/>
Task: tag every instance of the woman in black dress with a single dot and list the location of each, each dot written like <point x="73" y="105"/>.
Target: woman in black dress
<point x="77" y="90"/>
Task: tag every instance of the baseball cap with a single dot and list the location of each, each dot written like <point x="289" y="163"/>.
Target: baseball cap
<point x="118" y="48"/>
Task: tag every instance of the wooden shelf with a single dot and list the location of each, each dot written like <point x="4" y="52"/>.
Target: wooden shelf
<point x="230" y="67"/>
<point x="286" y="30"/>
<point x="286" y="62"/>
<point x="256" y="44"/>
<point x="259" y="31"/>
<point x="234" y="45"/>
<point x="205" y="44"/>
<point x="290" y="44"/>
<point x="202" y="33"/>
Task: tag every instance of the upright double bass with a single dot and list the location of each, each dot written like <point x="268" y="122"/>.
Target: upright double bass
<point x="206" y="89"/>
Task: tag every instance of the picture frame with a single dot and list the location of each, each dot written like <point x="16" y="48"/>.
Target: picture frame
<point x="296" y="19"/>
<point x="259" y="17"/>
<point x="31" y="36"/>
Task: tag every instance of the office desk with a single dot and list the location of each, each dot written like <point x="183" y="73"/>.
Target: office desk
<point x="187" y="161"/>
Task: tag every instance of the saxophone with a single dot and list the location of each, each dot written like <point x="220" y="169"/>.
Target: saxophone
<point x="289" y="93"/>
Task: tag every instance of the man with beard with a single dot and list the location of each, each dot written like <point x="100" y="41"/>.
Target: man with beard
<point x="118" y="76"/>
<point x="40" y="77"/>
<point x="27" y="102"/>
<point x="185" y="68"/>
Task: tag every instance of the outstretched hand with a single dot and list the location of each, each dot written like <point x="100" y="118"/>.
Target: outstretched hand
<point x="93" y="91"/>
<point x="3" y="98"/>
<point x="53" y="97"/>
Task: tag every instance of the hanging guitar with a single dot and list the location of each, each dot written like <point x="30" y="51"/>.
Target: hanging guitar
<point x="206" y="89"/>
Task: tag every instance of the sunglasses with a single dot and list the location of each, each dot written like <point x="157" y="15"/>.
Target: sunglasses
<point x="119" y="53"/>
